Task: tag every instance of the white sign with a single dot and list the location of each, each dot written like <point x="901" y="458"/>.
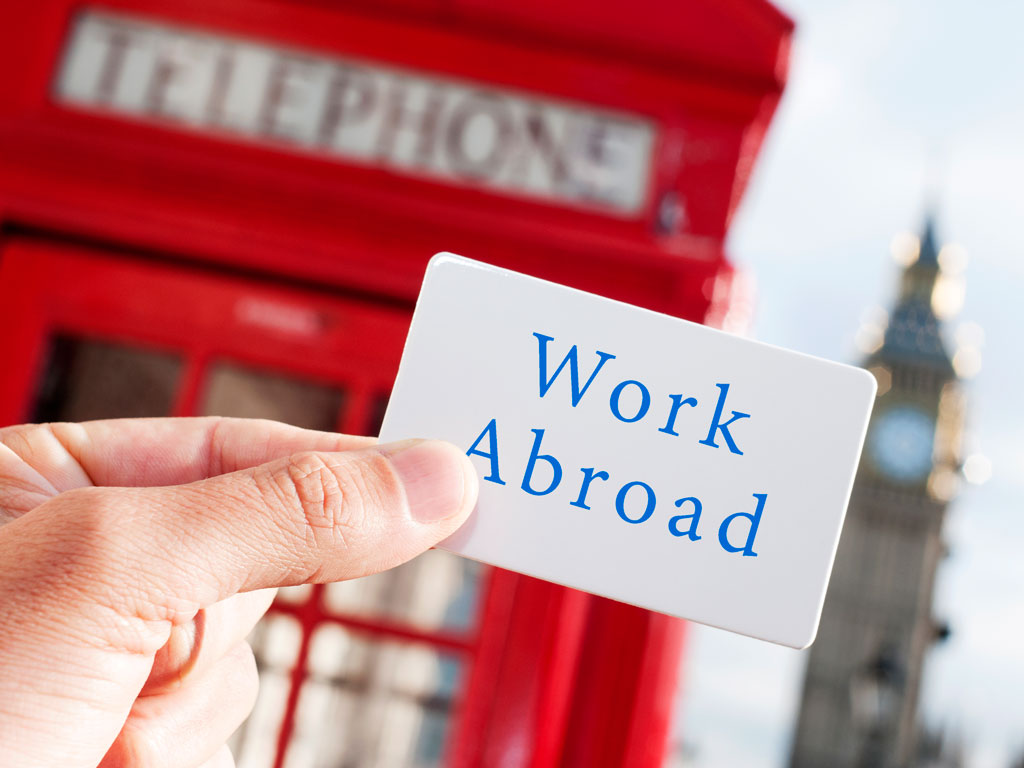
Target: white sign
<point x="632" y="454"/>
<point x="462" y="132"/>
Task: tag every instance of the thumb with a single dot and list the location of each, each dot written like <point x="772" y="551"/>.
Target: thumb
<point x="309" y="517"/>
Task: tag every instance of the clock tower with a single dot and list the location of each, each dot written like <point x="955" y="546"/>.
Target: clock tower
<point x="860" y="695"/>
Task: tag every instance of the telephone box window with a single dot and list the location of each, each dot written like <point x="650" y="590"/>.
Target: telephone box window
<point x="435" y="592"/>
<point x="87" y="379"/>
<point x="364" y="703"/>
<point x="369" y="704"/>
<point x="233" y="390"/>
<point x="365" y="699"/>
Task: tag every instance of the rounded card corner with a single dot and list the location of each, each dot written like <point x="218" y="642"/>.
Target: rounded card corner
<point x="869" y="379"/>
<point x="444" y="257"/>
<point x="806" y="641"/>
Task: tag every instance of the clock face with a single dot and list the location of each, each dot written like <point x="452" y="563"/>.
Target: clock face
<point x="901" y="443"/>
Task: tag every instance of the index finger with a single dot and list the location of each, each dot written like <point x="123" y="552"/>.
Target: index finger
<point x="150" y="452"/>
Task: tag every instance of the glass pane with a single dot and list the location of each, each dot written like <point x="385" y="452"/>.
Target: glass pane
<point x="233" y="390"/>
<point x="437" y="590"/>
<point x="88" y="379"/>
<point x="372" y="704"/>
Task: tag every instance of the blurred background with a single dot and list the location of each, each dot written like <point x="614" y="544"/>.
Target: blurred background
<point x="225" y="208"/>
<point x="894" y="112"/>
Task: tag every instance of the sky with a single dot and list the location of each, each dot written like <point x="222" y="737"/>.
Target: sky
<point x="892" y="104"/>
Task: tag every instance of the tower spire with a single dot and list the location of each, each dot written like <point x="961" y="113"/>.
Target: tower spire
<point x="914" y="332"/>
<point x="928" y="254"/>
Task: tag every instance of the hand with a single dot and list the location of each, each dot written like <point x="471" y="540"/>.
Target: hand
<point x="136" y="555"/>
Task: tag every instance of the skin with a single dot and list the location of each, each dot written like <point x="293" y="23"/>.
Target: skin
<point x="136" y="555"/>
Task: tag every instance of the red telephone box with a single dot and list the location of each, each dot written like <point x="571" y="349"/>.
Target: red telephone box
<point x="224" y="207"/>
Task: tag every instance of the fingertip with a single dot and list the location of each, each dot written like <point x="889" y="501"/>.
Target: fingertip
<point x="472" y="489"/>
<point x="439" y="481"/>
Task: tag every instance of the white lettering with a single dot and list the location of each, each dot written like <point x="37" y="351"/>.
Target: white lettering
<point x="434" y="127"/>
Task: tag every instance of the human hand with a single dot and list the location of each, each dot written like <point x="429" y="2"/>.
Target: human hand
<point x="136" y="555"/>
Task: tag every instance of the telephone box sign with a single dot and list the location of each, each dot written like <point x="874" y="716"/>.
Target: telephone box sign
<point x="457" y="131"/>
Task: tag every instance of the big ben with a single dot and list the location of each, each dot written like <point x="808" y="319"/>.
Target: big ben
<point x="860" y="695"/>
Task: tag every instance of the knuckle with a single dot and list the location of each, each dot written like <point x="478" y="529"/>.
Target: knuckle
<point x="323" y="495"/>
<point x="37" y="442"/>
<point x="28" y="463"/>
<point x="218" y="437"/>
<point x="30" y="443"/>
<point x="334" y="496"/>
<point x="17" y="434"/>
<point x="22" y="434"/>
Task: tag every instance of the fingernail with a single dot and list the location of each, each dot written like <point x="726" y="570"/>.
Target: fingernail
<point x="437" y="478"/>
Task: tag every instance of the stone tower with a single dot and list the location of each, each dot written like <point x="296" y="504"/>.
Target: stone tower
<point x="860" y="696"/>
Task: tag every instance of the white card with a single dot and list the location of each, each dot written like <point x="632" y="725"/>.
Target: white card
<point x="635" y="455"/>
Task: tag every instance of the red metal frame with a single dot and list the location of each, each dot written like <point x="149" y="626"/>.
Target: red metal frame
<point x="286" y="203"/>
<point x="47" y="289"/>
<point x="559" y="677"/>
